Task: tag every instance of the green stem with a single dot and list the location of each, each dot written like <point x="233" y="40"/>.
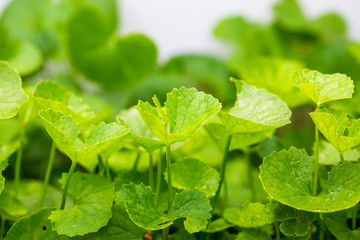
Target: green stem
<point x="71" y="171"/>
<point x="107" y="169"/>
<point x="354" y="215"/>
<point x="165" y="233"/>
<point x="250" y="176"/>
<point x="47" y="175"/>
<point x="19" y="159"/>
<point x="159" y="173"/>
<point x="151" y="171"/>
<point x="2" y="228"/>
<point x="277" y="230"/>
<point x="316" y="160"/>
<point x="223" y="168"/>
<point x="341" y="157"/>
<point x="168" y="163"/>
<point x="136" y="163"/>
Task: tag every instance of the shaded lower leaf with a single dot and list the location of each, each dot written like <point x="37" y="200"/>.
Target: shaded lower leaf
<point x="252" y="234"/>
<point x="218" y="225"/>
<point x="11" y="207"/>
<point x="140" y="203"/>
<point x="295" y="227"/>
<point x="33" y="227"/>
<point x="285" y="176"/>
<point x="337" y="225"/>
<point x="93" y="197"/>
<point x="120" y="226"/>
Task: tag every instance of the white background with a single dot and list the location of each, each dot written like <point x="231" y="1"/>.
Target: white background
<point x="185" y="26"/>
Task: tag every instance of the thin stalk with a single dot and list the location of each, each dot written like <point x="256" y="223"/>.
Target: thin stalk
<point x="136" y="163"/>
<point x="277" y="230"/>
<point x="2" y="228"/>
<point x="354" y="215"/>
<point x="107" y="169"/>
<point x="316" y="159"/>
<point x="341" y="157"/>
<point x="151" y="172"/>
<point x="168" y="163"/>
<point x="165" y="233"/>
<point x="19" y="159"/>
<point x="47" y="175"/>
<point x="223" y="168"/>
<point x="250" y="176"/>
<point x="71" y="171"/>
<point x="159" y="173"/>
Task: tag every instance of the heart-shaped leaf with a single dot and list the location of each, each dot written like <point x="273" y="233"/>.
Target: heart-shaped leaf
<point x="12" y="96"/>
<point x="323" y="88"/>
<point x="285" y="176"/>
<point x="34" y="226"/>
<point x="120" y="226"/>
<point x="251" y="215"/>
<point x="93" y="198"/>
<point x="337" y="225"/>
<point x="50" y="94"/>
<point x="255" y="110"/>
<point x="333" y="124"/>
<point x="65" y="134"/>
<point x="191" y="173"/>
<point x="122" y="62"/>
<point x="140" y="203"/>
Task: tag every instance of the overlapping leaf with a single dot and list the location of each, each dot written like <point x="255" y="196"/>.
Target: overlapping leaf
<point x="10" y="206"/>
<point x="65" y="134"/>
<point x="330" y="156"/>
<point x="337" y="225"/>
<point x="93" y="197"/>
<point x="333" y="125"/>
<point x="255" y="110"/>
<point x="286" y="176"/>
<point x="323" y="88"/>
<point x="192" y="173"/>
<point x="140" y="203"/>
<point x="12" y="96"/>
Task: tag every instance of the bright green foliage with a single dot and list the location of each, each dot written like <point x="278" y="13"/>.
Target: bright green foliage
<point x="23" y="56"/>
<point x="93" y="197"/>
<point x="240" y="140"/>
<point x="120" y="226"/>
<point x="140" y="203"/>
<point x="330" y="156"/>
<point x="34" y="226"/>
<point x="323" y="88"/>
<point x="252" y="234"/>
<point x="337" y="224"/>
<point x="186" y="110"/>
<point x="333" y="125"/>
<point x="251" y="215"/>
<point x="286" y="175"/>
<point x="12" y="96"/>
<point x="10" y="206"/>
<point x="50" y="94"/>
<point x="274" y="75"/>
<point x="191" y="173"/>
<point x="6" y="149"/>
<point x="289" y="15"/>
<point x="139" y="131"/>
<point x="121" y="62"/>
<point x="65" y="133"/>
<point x="217" y="225"/>
<point x="255" y="110"/>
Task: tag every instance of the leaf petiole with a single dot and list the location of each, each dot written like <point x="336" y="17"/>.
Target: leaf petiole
<point x="66" y="186"/>
<point x="316" y="159"/>
<point x="151" y="173"/>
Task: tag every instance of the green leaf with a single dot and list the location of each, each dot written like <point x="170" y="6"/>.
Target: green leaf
<point x="34" y="226"/>
<point x="140" y="203"/>
<point x="323" y="88"/>
<point x="331" y="25"/>
<point x="333" y="125"/>
<point x="251" y="215"/>
<point x="274" y="75"/>
<point x="255" y="110"/>
<point x="64" y="132"/>
<point x="140" y="132"/>
<point x="122" y="62"/>
<point x="10" y="206"/>
<point x="295" y="227"/>
<point x="191" y="173"/>
<point x="252" y="234"/>
<point x="289" y="15"/>
<point x="50" y="94"/>
<point x="120" y="226"/>
<point x="217" y="225"/>
<point x="93" y="197"/>
<point x="12" y="96"/>
<point x="337" y="225"/>
<point x="330" y="156"/>
<point x="285" y="176"/>
<point x="187" y="110"/>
